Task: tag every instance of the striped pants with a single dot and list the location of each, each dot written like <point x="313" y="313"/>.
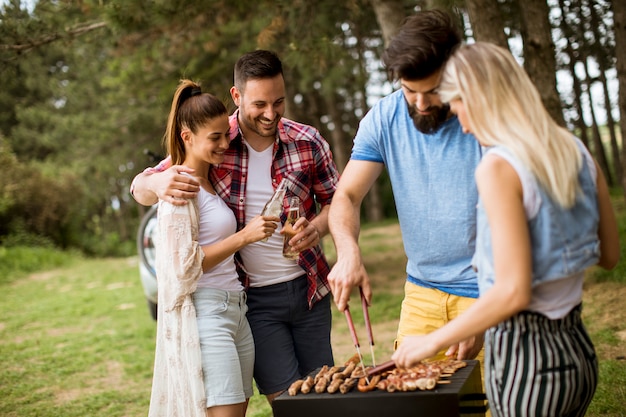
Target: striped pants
<point x="535" y="366"/>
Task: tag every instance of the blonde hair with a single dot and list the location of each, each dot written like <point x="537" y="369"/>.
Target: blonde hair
<point x="504" y="108"/>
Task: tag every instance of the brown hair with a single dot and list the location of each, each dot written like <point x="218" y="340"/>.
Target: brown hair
<point x="191" y="109"/>
<point x="422" y="46"/>
<point x="257" y="64"/>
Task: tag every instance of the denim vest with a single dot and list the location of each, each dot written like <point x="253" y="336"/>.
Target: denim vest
<point x="563" y="241"/>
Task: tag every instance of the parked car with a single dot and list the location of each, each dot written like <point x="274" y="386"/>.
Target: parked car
<point x="146" y="237"/>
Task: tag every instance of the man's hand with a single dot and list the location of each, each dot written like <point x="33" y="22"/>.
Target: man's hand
<point x="345" y="275"/>
<point x="173" y="186"/>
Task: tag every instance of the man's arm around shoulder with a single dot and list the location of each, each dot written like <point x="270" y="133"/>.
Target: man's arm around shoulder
<point x="140" y="190"/>
<point x="170" y="185"/>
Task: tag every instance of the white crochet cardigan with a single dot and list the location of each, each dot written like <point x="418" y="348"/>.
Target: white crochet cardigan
<point x="177" y="386"/>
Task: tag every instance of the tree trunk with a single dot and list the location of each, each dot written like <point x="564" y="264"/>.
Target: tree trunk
<point x="574" y="57"/>
<point x="600" y="153"/>
<point x="610" y="124"/>
<point x="579" y="122"/>
<point x="487" y="22"/>
<point x="619" y="28"/>
<point x="585" y="48"/>
<point x="597" y="25"/>
<point x="341" y="147"/>
<point x="390" y="15"/>
<point x="539" y="59"/>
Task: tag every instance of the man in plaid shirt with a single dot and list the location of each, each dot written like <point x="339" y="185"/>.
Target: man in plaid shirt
<point x="289" y="307"/>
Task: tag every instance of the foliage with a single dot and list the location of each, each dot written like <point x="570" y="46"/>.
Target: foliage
<point x="17" y="261"/>
<point x="86" y="87"/>
<point x="31" y="205"/>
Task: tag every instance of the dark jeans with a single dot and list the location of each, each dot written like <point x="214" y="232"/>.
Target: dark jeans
<point x="290" y="340"/>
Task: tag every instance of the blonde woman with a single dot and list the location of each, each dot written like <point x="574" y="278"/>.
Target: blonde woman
<point x="204" y="351"/>
<point x="544" y="216"/>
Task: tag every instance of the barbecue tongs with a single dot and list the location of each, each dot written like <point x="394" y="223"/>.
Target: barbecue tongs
<point x="368" y="326"/>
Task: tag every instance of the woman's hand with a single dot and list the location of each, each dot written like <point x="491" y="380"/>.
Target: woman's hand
<point x="259" y="228"/>
<point x="413" y="350"/>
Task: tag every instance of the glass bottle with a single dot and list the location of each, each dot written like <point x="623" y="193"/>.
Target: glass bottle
<point x="274" y="206"/>
<point x="288" y="230"/>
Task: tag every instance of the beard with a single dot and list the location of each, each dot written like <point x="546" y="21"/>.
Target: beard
<point x="257" y="127"/>
<point x="429" y="123"/>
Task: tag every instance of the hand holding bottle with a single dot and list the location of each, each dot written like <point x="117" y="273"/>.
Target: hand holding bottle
<point x="288" y="229"/>
<point x="274" y="206"/>
<point x="259" y="228"/>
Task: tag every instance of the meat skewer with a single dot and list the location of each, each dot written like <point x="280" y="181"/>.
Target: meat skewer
<point x="321" y="373"/>
<point x="386" y="377"/>
<point x="364" y="385"/>
<point x="347" y="371"/>
<point x="324" y="380"/>
<point x="307" y="385"/>
<point x="347" y="385"/>
<point x="295" y="387"/>
<point x="333" y="387"/>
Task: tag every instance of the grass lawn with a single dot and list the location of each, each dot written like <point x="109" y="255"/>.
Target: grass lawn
<point x="77" y="340"/>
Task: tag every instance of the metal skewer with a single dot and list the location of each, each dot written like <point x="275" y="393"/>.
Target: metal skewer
<point x="368" y="325"/>
<point x="355" y="339"/>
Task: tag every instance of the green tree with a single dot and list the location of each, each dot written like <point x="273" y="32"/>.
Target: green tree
<point x="85" y="88"/>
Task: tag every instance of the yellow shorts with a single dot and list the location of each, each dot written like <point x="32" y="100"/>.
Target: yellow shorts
<point x="427" y="309"/>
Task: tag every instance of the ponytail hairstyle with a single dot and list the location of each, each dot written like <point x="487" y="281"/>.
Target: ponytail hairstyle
<point x="504" y="108"/>
<point x="191" y="109"/>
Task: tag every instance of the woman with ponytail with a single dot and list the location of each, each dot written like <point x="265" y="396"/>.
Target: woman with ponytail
<point x="204" y="349"/>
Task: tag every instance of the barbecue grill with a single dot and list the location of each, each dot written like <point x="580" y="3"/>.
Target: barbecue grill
<point x="462" y="396"/>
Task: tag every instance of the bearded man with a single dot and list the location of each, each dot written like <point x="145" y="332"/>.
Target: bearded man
<point x="431" y="163"/>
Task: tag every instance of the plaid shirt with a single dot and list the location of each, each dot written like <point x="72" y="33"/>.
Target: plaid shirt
<point x="301" y="156"/>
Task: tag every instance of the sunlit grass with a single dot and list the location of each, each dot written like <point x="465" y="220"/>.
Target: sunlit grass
<point x="76" y="338"/>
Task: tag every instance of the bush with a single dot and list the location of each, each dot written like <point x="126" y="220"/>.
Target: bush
<point x="109" y="244"/>
<point x="18" y="261"/>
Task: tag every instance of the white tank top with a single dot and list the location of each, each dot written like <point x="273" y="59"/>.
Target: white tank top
<point x="217" y="222"/>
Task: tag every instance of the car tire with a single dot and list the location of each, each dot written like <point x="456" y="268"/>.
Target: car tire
<point x="152" y="307"/>
<point x="148" y="267"/>
<point x="144" y="222"/>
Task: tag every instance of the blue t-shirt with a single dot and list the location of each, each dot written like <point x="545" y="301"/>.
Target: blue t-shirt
<point x="432" y="176"/>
